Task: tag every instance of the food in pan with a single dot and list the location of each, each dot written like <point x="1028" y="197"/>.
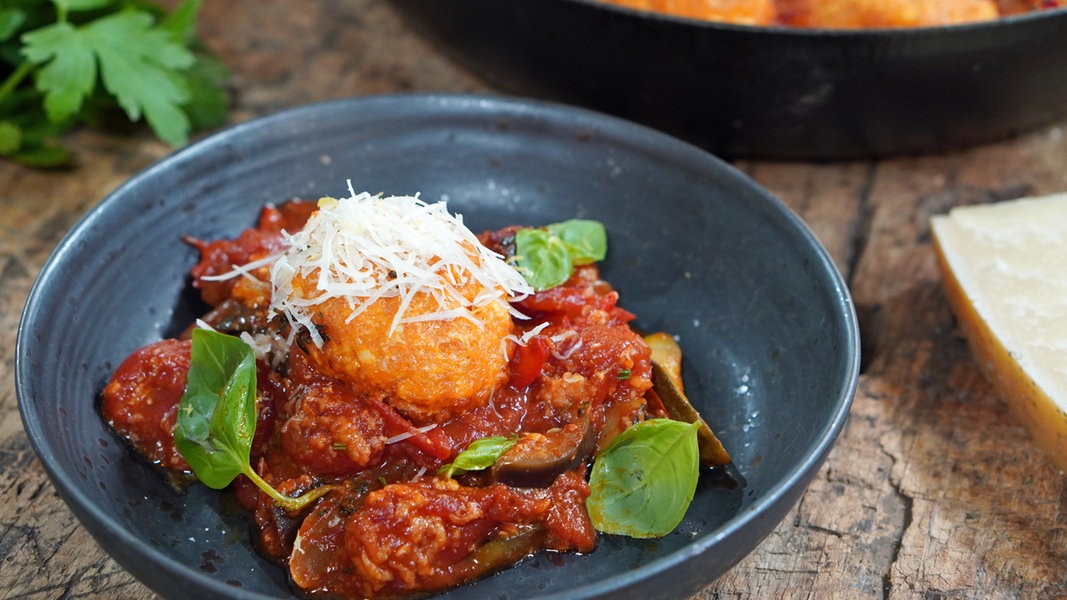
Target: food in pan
<point x="1002" y="266"/>
<point x="747" y="12"/>
<point x="1013" y="7"/>
<point x="843" y="14"/>
<point x="403" y="406"/>
<point x="863" y="14"/>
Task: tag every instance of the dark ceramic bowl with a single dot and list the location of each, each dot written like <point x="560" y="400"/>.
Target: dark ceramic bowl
<point x="695" y="248"/>
<point x="767" y="92"/>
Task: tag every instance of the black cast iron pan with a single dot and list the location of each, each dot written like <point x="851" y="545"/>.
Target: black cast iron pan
<point x="767" y="92"/>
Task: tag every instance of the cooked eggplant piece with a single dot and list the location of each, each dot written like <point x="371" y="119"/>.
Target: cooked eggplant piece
<point x="500" y="553"/>
<point x="232" y="316"/>
<point x="668" y="355"/>
<point x="667" y="384"/>
<point x="538" y="458"/>
<point x="311" y="560"/>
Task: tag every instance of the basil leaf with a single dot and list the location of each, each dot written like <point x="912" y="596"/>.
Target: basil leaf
<point x="217" y="416"/>
<point x="480" y="454"/>
<point x="217" y="412"/>
<point x="542" y="258"/>
<point x="643" y="482"/>
<point x="586" y="240"/>
<point x="546" y="256"/>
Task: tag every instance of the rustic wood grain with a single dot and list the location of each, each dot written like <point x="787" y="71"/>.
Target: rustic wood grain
<point x="933" y="490"/>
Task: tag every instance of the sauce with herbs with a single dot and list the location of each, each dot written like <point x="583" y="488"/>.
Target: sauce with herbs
<point x="575" y="376"/>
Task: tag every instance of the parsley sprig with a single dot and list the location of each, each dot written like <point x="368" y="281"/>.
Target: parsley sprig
<point x="70" y="62"/>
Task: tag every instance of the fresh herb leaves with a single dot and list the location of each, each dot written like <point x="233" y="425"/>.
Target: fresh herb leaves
<point x="643" y="482"/>
<point x="546" y="256"/>
<point x="217" y="412"/>
<point x="217" y="416"/>
<point x="640" y="486"/>
<point x="65" y="62"/>
<point x="480" y="454"/>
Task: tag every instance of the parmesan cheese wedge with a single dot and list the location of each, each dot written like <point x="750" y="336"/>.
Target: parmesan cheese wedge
<point x="1004" y="268"/>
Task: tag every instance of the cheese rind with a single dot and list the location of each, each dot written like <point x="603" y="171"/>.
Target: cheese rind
<point x="1004" y="269"/>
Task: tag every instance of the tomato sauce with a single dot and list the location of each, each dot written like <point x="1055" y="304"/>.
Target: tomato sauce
<point x="391" y="526"/>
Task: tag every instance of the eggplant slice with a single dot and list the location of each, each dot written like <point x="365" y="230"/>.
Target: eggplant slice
<point x="537" y="459"/>
<point x="667" y="384"/>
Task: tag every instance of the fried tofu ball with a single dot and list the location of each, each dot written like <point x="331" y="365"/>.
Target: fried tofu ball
<point x="841" y="14"/>
<point x="744" y="12"/>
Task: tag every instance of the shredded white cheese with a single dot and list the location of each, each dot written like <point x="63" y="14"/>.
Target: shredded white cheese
<point x="407" y="434"/>
<point x="364" y="248"/>
<point x="239" y="270"/>
<point x="521" y="341"/>
<point x="263" y="346"/>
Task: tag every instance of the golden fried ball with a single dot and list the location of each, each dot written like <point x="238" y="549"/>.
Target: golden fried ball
<point x="745" y="12"/>
<point x="397" y="298"/>
<point x="884" y="13"/>
<point x="430" y="370"/>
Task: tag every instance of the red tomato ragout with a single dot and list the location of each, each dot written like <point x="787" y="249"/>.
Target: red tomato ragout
<point x="575" y="374"/>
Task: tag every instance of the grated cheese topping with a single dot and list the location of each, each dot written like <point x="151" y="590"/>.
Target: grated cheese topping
<point x="364" y="248"/>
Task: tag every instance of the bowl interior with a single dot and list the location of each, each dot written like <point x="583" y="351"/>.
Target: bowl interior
<point x="695" y="248"/>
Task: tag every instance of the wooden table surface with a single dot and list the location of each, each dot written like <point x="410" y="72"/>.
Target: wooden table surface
<point x="932" y="491"/>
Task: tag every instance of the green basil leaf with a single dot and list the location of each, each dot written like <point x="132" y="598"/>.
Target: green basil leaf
<point x="481" y="454"/>
<point x="542" y="258"/>
<point x="643" y="482"/>
<point x="586" y="240"/>
<point x="217" y="416"/>
<point x="546" y="256"/>
<point x="217" y="412"/>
